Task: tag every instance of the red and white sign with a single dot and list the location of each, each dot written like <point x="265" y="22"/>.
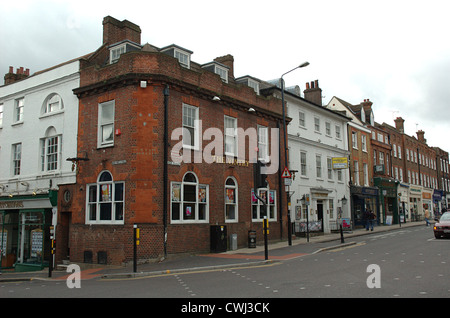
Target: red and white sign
<point x="286" y="173"/>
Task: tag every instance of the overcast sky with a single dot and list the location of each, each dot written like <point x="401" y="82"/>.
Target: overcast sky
<point x="395" y="53"/>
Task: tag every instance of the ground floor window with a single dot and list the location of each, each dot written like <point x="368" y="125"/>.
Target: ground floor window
<point x="189" y="200"/>
<point x="231" y="206"/>
<point x="105" y="200"/>
<point x="24" y="237"/>
<point x="259" y="211"/>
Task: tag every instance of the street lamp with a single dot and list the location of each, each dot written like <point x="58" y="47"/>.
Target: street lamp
<point x="285" y="147"/>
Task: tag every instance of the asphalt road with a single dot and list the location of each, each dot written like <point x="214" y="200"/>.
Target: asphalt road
<point x="405" y="263"/>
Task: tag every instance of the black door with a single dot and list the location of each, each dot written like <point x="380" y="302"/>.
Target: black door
<point x="320" y="213"/>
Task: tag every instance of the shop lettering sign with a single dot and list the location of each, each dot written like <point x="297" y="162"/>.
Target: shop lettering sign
<point x="11" y="204"/>
<point x="230" y="160"/>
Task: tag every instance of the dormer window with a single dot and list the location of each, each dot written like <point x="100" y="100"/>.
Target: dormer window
<point x="117" y="49"/>
<point x="219" y="69"/>
<point x="249" y="81"/>
<point x="182" y="55"/>
<point x="115" y="53"/>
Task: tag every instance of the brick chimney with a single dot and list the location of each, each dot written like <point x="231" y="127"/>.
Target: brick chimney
<point x="399" y="124"/>
<point x="115" y="31"/>
<point x="227" y="60"/>
<point x="12" y="77"/>
<point x="313" y="93"/>
<point x="421" y="136"/>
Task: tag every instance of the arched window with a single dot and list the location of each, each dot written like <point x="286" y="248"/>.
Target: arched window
<point x="53" y="103"/>
<point x="105" y="200"/>
<point x="189" y="200"/>
<point x="50" y="150"/>
<point x="231" y="200"/>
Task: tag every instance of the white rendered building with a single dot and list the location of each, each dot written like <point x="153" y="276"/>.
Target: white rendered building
<point x="316" y="135"/>
<point x="38" y="132"/>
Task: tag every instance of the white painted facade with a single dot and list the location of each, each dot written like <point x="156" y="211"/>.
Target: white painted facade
<point x="317" y="135"/>
<point x="38" y="131"/>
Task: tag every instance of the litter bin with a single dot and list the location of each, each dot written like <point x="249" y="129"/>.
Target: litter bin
<point x="233" y="242"/>
<point x="252" y="239"/>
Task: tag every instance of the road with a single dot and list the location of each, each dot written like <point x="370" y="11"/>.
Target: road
<point x="404" y="263"/>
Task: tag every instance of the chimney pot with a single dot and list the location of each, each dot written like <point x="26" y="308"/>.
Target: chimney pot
<point x="11" y="70"/>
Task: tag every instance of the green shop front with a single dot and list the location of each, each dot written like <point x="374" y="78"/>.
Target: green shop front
<point x="388" y="199"/>
<point x="25" y="231"/>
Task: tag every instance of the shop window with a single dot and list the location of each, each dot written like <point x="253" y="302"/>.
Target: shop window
<point x="189" y="200"/>
<point x="259" y="210"/>
<point x="231" y="202"/>
<point x="105" y="201"/>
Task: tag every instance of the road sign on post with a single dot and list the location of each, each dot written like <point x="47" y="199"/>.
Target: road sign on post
<point x="286" y="173"/>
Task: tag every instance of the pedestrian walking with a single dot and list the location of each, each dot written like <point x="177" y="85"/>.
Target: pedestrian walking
<point x="427" y="217"/>
<point x="370" y="217"/>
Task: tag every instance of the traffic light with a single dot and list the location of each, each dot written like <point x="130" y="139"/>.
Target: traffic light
<point x="259" y="180"/>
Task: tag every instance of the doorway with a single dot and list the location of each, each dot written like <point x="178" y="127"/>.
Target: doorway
<point x="320" y="213"/>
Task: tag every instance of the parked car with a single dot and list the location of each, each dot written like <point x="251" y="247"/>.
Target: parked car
<point x="442" y="227"/>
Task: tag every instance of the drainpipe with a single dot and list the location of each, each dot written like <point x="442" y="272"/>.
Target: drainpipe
<point x="166" y="149"/>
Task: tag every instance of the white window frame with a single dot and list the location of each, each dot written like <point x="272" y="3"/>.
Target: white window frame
<point x="52" y="104"/>
<point x="190" y="122"/>
<point x="51" y="153"/>
<point x="354" y="140"/>
<point x="16" y="158"/>
<point x="318" y="166"/>
<point x="231" y="200"/>
<point x="338" y="131"/>
<point x="317" y="124"/>
<point x="301" y="119"/>
<point x="328" y="128"/>
<point x="253" y="84"/>
<point x="356" y="169"/>
<point x="222" y="72"/>
<point x="183" y="58"/>
<point x="116" y="52"/>
<point x="271" y="200"/>
<point x="19" y="105"/>
<point x="364" y="143"/>
<point x="1" y="114"/>
<point x="263" y="143"/>
<point x="107" y="191"/>
<point x="329" y="169"/>
<point x="178" y="197"/>
<point x="104" y="123"/>
<point x="303" y="163"/>
<point x="231" y="137"/>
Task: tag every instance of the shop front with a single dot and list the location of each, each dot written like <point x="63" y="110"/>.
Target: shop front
<point x="403" y="202"/>
<point x="388" y="200"/>
<point x="415" y="203"/>
<point x="363" y="199"/>
<point x="25" y="231"/>
<point x="427" y="201"/>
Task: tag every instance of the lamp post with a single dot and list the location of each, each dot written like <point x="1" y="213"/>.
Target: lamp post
<point x="285" y="147"/>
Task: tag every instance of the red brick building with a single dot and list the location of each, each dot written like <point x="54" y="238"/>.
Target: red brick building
<point x="133" y="101"/>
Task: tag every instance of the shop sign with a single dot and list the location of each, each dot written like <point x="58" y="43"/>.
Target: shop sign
<point x="230" y="160"/>
<point x="11" y="204"/>
<point x="26" y="204"/>
<point x="339" y="162"/>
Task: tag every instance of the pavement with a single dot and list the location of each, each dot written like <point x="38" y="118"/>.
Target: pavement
<point x="182" y="263"/>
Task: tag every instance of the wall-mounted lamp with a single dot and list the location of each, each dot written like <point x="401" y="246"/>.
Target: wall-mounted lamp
<point x="216" y="98"/>
<point x="251" y="110"/>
